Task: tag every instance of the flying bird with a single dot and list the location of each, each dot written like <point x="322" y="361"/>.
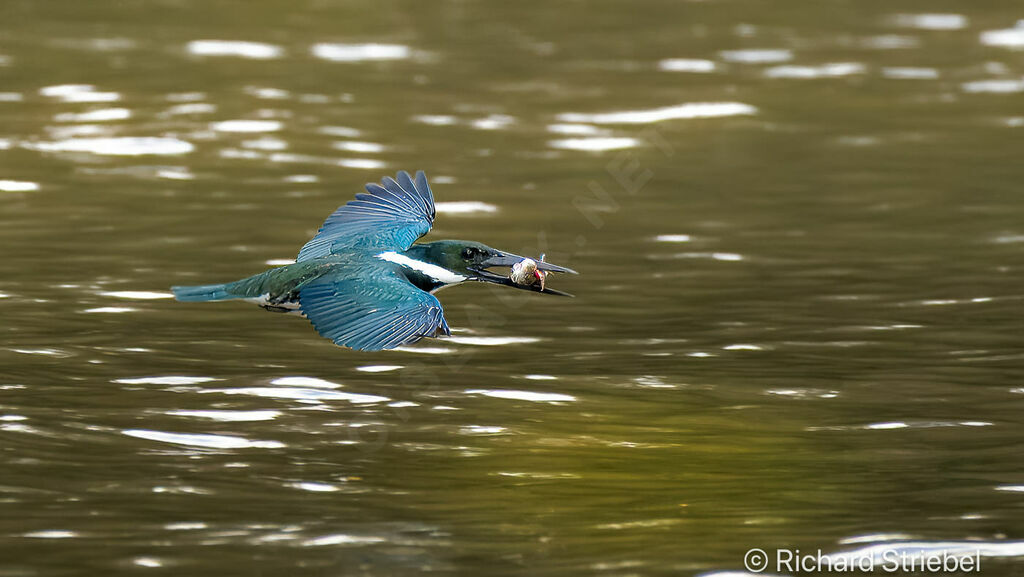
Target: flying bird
<point x="364" y="282"/>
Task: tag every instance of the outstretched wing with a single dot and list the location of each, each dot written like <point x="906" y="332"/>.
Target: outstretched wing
<point x="383" y="311"/>
<point x="390" y="216"/>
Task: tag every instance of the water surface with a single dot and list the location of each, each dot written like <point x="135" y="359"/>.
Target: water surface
<point x="798" y="323"/>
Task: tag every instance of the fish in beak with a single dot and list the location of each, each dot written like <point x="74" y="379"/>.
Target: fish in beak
<point x="525" y="273"/>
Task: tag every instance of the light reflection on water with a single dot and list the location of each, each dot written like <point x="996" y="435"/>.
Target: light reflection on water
<point x="797" y="321"/>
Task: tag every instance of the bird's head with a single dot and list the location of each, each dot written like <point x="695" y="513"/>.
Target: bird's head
<point x="473" y="259"/>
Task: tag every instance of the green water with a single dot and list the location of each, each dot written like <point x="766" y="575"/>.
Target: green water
<point x="797" y="325"/>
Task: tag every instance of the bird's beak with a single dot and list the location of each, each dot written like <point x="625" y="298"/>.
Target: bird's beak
<point x="509" y="259"/>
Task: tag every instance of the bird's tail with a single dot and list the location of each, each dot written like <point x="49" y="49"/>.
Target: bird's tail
<point x="206" y="292"/>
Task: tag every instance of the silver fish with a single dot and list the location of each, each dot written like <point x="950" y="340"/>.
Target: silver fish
<point x="526" y="273"/>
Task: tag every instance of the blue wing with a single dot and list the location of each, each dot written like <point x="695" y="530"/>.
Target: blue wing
<point x="383" y="311"/>
<point x="389" y="216"/>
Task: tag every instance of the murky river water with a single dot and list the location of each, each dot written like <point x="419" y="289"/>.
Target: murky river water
<point x="799" y="227"/>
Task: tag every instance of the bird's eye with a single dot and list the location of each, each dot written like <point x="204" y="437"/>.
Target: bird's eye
<point x="468" y="252"/>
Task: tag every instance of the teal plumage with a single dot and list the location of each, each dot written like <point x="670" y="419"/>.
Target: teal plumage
<point x="361" y="281"/>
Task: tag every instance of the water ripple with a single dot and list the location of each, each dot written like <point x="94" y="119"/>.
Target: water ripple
<point x="435" y="119"/>
<point x="492" y="341"/>
<point x="57" y="353"/>
<point x="78" y="93"/>
<point x="378" y="368"/>
<point x="361" y="163"/>
<point x="228" y="416"/>
<point x="165" y="380"/>
<point x="314" y="487"/>
<point x="686" y="65"/>
<point x="202" y="440"/>
<point x="493" y="122"/>
<point x="673" y="238"/>
<point x="360" y="52"/>
<point x="305" y="382"/>
<point x="301" y="394"/>
<point x="137" y="295"/>
<point x="18" y="186"/>
<point x="118" y="146"/>
<point x="186" y="526"/>
<point x="758" y="55"/>
<point x="831" y="70"/>
<point x="265" y="143"/>
<point x="994" y="86"/>
<point x="931" y="21"/>
<point x="576" y="129"/>
<point x="721" y="256"/>
<point x="51" y="534"/>
<point x="241" y="49"/>
<point x="267" y="92"/>
<point x="99" y="115"/>
<point x="481" y="430"/>
<point x="354" y="146"/>
<point x="910" y="73"/>
<point x="247" y="126"/>
<point x="522" y="395"/>
<point x="342" y="131"/>
<point x="189" y="108"/>
<point x="595" y="144"/>
<point x="899" y="425"/>
<point x="682" y="111"/>
<point x="1007" y="38"/>
<point x="465" y="207"/>
<point x="426" y="350"/>
<point x="342" y="539"/>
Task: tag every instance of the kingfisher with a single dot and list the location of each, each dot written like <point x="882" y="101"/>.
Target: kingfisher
<point x="364" y="282"/>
